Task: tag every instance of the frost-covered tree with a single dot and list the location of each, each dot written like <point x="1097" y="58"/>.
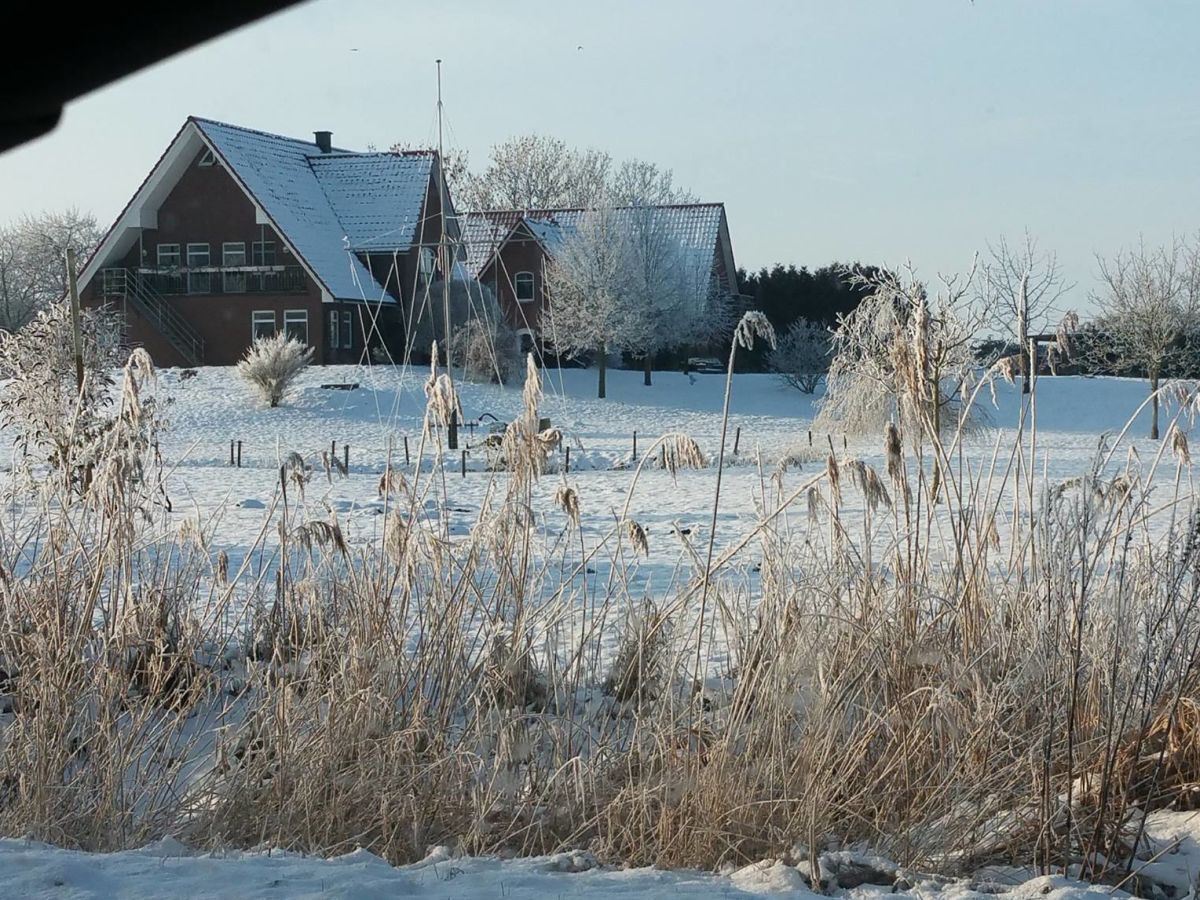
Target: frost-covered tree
<point x="33" y="271"/>
<point x="1021" y="287"/>
<point x="668" y="286"/>
<point x="801" y="357"/>
<point x="1149" y="306"/>
<point x="534" y="171"/>
<point x="637" y="182"/>
<point x="272" y="364"/>
<point x="589" y="294"/>
<point x="57" y="423"/>
<point x="903" y="355"/>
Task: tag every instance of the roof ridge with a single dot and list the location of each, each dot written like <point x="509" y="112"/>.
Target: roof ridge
<point x="369" y="154"/>
<point x="536" y="212"/>
<point x="268" y="134"/>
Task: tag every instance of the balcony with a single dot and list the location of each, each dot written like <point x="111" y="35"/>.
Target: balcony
<point x="225" y="280"/>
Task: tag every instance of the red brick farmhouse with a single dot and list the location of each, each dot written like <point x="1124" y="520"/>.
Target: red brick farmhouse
<point x="237" y="234"/>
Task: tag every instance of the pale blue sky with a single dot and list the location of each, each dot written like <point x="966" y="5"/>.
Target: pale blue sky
<point x="848" y="129"/>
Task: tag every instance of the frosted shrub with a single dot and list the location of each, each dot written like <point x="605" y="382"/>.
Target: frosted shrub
<point x="904" y="355"/>
<point x="801" y="359"/>
<point x="486" y="351"/>
<point x="56" y="423"/>
<point x="272" y="364"/>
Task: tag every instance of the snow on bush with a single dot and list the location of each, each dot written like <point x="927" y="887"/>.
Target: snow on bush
<point x="801" y="358"/>
<point x="272" y="364"/>
<point x="486" y="351"/>
<point x="57" y="423"/>
<point x="904" y="355"/>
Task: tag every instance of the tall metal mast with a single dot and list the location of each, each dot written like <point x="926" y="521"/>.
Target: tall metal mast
<point x="446" y="264"/>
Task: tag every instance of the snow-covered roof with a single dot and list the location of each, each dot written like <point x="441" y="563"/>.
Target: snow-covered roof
<point x="697" y="226"/>
<point x="328" y="204"/>
<point x="377" y="197"/>
<point x="482" y="234"/>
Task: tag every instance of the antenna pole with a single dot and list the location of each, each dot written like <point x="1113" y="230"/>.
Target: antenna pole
<point x="444" y="261"/>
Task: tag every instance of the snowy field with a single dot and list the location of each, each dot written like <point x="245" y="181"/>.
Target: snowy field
<point x="213" y="409"/>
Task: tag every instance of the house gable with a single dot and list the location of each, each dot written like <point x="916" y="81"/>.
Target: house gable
<point x="141" y="212"/>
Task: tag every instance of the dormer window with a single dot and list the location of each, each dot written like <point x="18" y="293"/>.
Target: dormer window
<point x="207" y="159"/>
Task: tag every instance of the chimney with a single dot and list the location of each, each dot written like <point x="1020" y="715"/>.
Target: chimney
<point x="324" y="140"/>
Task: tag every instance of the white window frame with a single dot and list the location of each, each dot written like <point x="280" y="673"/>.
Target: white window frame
<point x="258" y="253"/>
<point x="426" y="262"/>
<point x="233" y="282"/>
<point x="347" y="329"/>
<point x="199" y="285"/>
<point x="532" y="287"/>
<point x="159" y="256"/>
<point x="335" y="330"/>
<point x="260" y="316"/>
<point x="207" y="158"/>
<point x="292" y="317"/>
<point x="228" y="247"/>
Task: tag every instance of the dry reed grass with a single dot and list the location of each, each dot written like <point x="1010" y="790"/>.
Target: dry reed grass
<point x="910" y="677"/>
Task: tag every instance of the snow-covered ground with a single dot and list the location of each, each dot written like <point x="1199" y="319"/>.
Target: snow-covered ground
<point x="212" y="409"/>
<point x="169" y="869"/>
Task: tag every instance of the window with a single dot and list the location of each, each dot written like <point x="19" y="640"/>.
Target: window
<point x="334" y="330"/>
<point x="198" y="258"/>
<point x="347" y="329"/>
<point x="233" y="253"/>
<point x="295" y="324"/>
<point x="523" y="286"/>
<point x="262" y="323"/>
<point x="262" y="253"/>
<point x="207" y="159"/>
<point x="168" y="256"/>
<point x="426" y="262"/>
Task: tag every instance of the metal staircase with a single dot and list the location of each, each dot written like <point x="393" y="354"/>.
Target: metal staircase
<point x="128" y="284"/>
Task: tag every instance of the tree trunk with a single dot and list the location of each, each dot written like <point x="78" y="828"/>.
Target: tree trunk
<point x="602" y="363"/>
<point x="649" y="362"/>
<point x="1154" y="408"/>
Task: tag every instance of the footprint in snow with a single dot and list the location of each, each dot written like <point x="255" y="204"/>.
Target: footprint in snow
<point x="251" y="503"/>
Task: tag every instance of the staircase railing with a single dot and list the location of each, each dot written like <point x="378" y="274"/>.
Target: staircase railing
<point x="156" y="310"/>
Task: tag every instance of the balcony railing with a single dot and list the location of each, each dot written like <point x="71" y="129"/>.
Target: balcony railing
<point x="225" y="280"/>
